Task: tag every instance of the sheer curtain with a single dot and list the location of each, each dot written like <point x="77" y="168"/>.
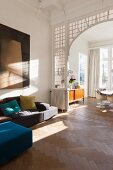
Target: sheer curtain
<point x="94" y="70"/>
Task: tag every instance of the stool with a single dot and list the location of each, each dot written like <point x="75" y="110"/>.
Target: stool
<point x="14" y="139"/>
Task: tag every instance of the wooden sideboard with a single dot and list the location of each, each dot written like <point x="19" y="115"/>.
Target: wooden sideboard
<point x="75" y="95"/>
<point x="61" y="97"/>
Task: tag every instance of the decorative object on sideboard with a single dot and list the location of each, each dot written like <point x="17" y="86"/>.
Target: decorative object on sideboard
<point x="71" y="81"/>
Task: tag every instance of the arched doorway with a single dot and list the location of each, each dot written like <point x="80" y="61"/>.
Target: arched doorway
<point x="99" y="37"/>
<point x="64" y="35"/>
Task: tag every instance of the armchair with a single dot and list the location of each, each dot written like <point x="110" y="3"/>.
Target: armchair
<point x="101" y="97"/>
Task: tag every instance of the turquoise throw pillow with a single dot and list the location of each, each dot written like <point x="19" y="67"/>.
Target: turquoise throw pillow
<point x="10" y="107"/>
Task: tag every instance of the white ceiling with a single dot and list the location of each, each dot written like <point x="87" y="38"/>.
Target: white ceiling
<point x="47" y="4"/>
<point x="58" y="4"/>
<point x="61" y="10"/>
<point x="100" y="32"/>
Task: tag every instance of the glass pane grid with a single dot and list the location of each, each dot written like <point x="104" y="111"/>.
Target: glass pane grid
<point x="59" y="68"/>
<point x="59" y="37"/>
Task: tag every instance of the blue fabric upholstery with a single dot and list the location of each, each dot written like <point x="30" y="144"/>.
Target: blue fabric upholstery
<point x="14" y="139"/>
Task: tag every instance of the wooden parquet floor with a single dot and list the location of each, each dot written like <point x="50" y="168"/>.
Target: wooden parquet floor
<point x="81" y="139"/>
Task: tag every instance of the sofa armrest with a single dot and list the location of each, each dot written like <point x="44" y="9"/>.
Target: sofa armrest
<point x="46" y="105"/>
<point x="4" y="119"/>
<point x="42" y="106"/>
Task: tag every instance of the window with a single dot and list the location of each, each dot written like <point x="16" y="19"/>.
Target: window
<point x="112" y="71"/>
<point x="82" y="69"/>
<point x="106" y="68"/>
<point x="104" y="81"/>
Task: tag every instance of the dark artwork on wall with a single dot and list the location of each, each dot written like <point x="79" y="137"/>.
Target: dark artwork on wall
<point x="14" y="58"/>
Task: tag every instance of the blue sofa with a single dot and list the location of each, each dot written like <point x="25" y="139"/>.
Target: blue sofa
<point x="14" y="139"/>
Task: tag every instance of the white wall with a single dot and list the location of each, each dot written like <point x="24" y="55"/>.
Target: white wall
<point x="80" y="45"/>
<point x="23" y="18"/>
<point x="100" y="44"/>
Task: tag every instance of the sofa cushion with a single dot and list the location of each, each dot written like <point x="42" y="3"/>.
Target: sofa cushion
<point x="10" y="107"/>
<point x="1" y="112"/>
<point x="27" y="102"/>
<point x="47" y="106"/>
<point x="8" y="99"/>
<point x="28" y="118"/>
<point x="40" y="107"/>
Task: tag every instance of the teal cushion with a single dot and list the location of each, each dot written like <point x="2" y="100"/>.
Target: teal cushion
<point x="9" y="110"/>
<point x="10" y="107"/>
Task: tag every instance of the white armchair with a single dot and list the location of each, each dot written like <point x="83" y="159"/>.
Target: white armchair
<point x="110" y="98"/>
<point x="101" y="97"/>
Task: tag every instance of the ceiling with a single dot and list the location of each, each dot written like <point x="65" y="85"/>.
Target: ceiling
<point x="59" y="4"/>
<point x="55" y="8"/>
<point x="100" y="32"/>
<point x="60" y="10"/>
<point x="46" y="4"/>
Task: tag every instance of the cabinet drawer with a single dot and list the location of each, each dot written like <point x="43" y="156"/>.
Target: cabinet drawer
<point x="75" y="95"/>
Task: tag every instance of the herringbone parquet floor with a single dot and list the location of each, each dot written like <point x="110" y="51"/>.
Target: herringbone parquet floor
<point x="81" y="139"/>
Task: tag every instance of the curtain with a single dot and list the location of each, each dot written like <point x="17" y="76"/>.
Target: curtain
<point x="94" y="70"/>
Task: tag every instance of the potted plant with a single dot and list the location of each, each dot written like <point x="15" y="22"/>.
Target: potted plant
<point x="71" y="81"/>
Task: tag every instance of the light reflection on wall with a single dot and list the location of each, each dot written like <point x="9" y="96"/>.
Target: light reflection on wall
<point x="33" y="88"/>
<point x="34" y="69"/>
<point x="14" y="72"/>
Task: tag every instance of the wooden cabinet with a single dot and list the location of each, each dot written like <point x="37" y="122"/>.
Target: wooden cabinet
<point x="75" y="95"/>
<point x="61" y="97"/>
<point x="71" y="95"/>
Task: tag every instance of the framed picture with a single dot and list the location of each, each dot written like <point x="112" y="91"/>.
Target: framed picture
<point x="14" y="58"/>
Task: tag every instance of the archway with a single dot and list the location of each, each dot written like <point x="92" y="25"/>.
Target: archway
<point x="96" y="37"/>
<point x="64" y="35"/>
